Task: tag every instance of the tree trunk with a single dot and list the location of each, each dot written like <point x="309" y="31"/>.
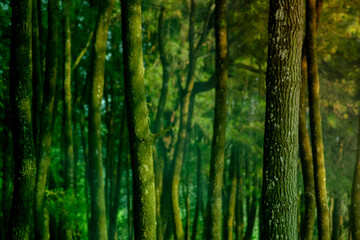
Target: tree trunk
<point x="97" y="191"/>
<point x="198" y="192"/>
<point x="251" y="217"/>
<point x="279" y="194"/>
<point x="140" y="136"/>
<point x="355" y="195"/>
<point x="47" y="115"/>
<point x="230" y="215"/>
<point x="239" y="210"/>
<point x="158" y="161"/>
<point x="68" y="137"/>
<point x="307" y="222"/>
<point x="337" y="218"/>
<point x="21" y="220"/>
<point x="312" y="13"/>
<point x="37" y="74"/>
<point x="214" y="213"/>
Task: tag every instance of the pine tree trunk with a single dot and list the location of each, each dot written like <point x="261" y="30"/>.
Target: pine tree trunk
<point x="214" y="209"/>
<point x="137" y="115"/>
<point x="98" y="225"/>
<point x="279" y="194"/>
<point x="21" y="219"/>
<point x="47" y="114"/>
<point x="312" y="13"/>
<point x="307" y="222"/>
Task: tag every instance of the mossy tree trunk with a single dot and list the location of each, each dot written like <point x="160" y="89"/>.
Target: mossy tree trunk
<point x="21" y="220"/>
<point x="47" y="113"/>
<point x="214" y="205"/>
<point x="140" y="136"/>
<point x="68" y="130"/>
<point x="308" y="219"/>
<point x="312" y="15"/>
<point x="98" y="225"/>
<point x="283" y="79"/>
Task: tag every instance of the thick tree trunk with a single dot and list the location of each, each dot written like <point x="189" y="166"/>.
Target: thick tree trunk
<point x="47" y="114"/>
<point x="279" y="194"/>
<point x="140" y="136"/>
<point x="97" y="191"/>
<point x="307" y="222"/>
<point x="312" y="13"/>
<point x="20" y="221"/>
<point x="68" y="137"/>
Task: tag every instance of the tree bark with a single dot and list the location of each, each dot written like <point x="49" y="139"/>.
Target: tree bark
<point x="140" y="136"/>
<point x="307" y="222"/>
<point x="20" y="221"/>
<point x="337" y="218"/>
<point x="47" y="113"/>
<point x="97" y="191"/>
<point x="312" y="13"/>
<point x="230" y="215"/>
<point x="279" y="194"/>
<point x="68" y="130"/>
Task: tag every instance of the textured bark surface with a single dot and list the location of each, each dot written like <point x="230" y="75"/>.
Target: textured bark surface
<point x="308" y="219"/>
<point x="279" y="195"/>
<point x="312" y="15"/>
<point x="47" y="112"/>
<point x="68" y="130"/>
<point x="20" y="221"/>
<point x="98" y="227"/>
<point x="137" y="115"/>
<point x="214" y="205"/>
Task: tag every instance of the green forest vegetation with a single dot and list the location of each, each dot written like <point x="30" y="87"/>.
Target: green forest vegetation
<point x="180" y="119"/>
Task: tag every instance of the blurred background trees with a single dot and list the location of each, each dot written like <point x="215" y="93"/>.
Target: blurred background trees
<point x="178" y="45"/>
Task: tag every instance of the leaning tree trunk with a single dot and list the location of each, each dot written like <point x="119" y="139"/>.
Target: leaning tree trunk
<point x="312" y="13"/>
<point x="47" y="112"/>
<point x="214" y="213"/>
<point x="140" y="136"/>
<point x="97" y="190"/>
<point x="21" y="220"/>
<point x="279" y="194"/>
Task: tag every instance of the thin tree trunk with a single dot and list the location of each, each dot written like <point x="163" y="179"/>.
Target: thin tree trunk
<point x="116" y="202"/>
<point x="214" y="213"/>
<point x="312" y="13"/>
<point x="140" y="136"/>
<point x="355" y="195"/>
<point x="98" y="212"/>
<point x="279" y="192"/>
<point x="68" y="137"/>
<point x="251" y="217"/>
<point x="198" y="193"/>
<point x="307" y="222"/>
<point x="47" y="115"/>
<point x="239" y="209"/>
<point x="20" y="221"/>
<point x="336" y="218"/>
<point x="37" y="72"/>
